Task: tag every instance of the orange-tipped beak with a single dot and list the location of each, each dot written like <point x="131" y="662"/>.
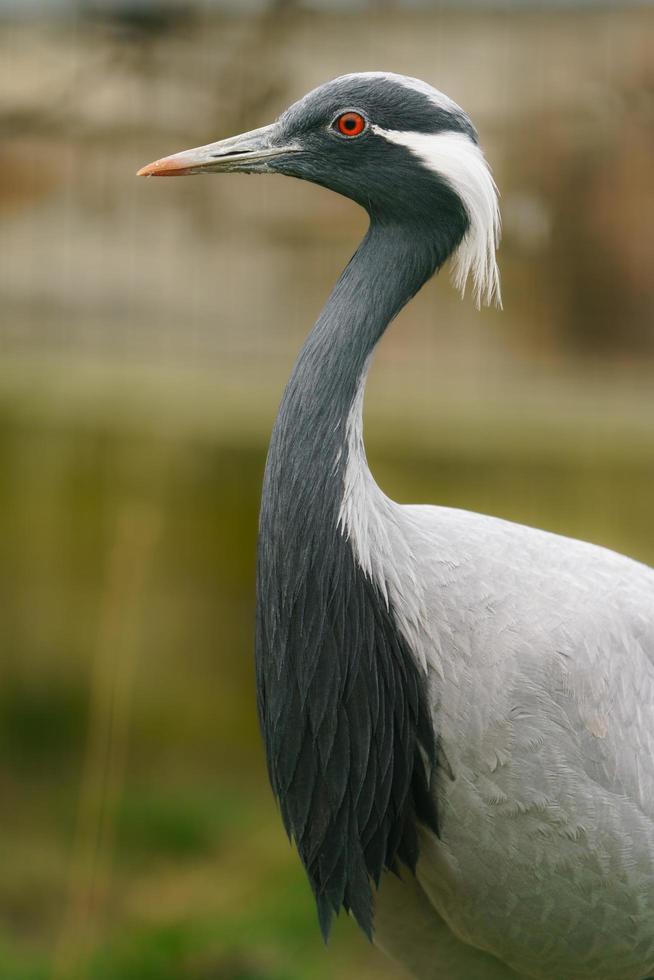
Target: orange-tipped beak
<point x="247" y="152"/>
<point x="176" y="166"/>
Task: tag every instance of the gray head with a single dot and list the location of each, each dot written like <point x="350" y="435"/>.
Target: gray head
<point x="395" y="145"/>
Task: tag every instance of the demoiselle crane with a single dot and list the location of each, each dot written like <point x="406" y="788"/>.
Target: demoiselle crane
<point x="458" y="711"/>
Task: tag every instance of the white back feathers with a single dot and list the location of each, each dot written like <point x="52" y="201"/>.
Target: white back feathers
<point x="459" y="161"/>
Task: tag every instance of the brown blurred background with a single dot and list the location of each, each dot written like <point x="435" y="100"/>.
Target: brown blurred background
<point x="146" y="331"/>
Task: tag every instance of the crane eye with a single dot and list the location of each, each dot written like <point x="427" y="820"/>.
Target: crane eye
<point x="350" y="124"/>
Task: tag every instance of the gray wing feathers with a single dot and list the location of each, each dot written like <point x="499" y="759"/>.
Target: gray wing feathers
<point x="409" y="930"/>
<point x="542" y="651"/>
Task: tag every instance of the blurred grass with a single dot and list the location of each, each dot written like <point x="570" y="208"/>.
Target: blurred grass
<point x="138" y="838"/>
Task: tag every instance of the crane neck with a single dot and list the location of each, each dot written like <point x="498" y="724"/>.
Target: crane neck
<point x="341" y="703"/>
<point x="389" y="267"/>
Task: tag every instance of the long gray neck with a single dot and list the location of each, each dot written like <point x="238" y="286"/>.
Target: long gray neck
<point x="341" y="705"/>
<point x="389" y="267"/>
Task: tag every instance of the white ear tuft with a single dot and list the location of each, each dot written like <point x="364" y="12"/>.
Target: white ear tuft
<point x="460" y="162"/>
<point x="471" y="178"/>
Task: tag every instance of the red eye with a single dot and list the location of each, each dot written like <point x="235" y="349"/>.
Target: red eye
<point x="351" y="124"/>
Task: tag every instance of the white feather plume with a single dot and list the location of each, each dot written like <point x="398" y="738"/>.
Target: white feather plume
<point x="460" y="162"/>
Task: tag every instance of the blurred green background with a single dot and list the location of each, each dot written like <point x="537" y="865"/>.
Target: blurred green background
<point x="146" y="331"/>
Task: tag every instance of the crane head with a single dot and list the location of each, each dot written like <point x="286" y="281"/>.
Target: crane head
<point x="398" y="147"/>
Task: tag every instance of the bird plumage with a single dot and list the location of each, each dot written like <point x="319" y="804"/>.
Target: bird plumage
<point x="341" y="700"/>
<point x="458" y="711"/>
<point x="540" y="652"/>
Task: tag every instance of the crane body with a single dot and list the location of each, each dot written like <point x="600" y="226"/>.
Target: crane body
<point x="458" y="711"/>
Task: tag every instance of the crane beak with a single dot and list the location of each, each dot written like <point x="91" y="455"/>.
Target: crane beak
<point x="249" y="152"/>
